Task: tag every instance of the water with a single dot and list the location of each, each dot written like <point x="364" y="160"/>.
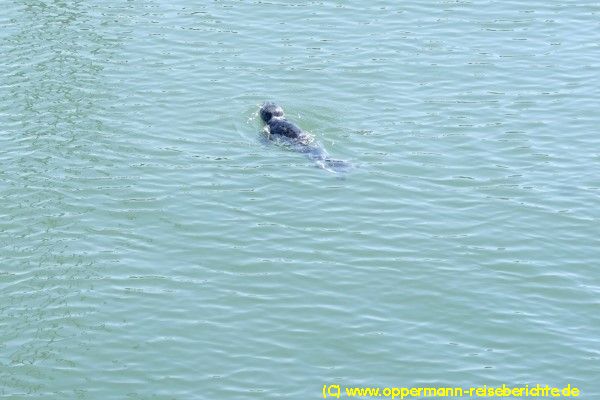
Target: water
<point x="153" y="245"/>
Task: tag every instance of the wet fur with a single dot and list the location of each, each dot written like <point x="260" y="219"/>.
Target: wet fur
<point x="278" y="126"/>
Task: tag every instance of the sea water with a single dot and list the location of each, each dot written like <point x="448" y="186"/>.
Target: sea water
<point x="154" y="246"/>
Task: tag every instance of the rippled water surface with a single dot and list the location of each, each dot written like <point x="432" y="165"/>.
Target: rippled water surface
<point x="153" y="244"/>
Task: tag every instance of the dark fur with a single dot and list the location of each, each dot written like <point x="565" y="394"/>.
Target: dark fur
<point x="272" y="115"/>
<point x="270" y="110"/>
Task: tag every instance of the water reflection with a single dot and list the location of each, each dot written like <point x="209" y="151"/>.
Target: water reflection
<point x="52" y="103"/>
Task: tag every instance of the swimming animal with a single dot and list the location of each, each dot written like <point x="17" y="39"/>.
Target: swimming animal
<point x="278" y="127"/>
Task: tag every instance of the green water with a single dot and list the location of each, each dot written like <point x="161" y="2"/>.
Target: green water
<point x="154" y="246"/>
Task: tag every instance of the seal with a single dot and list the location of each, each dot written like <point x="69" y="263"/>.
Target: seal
<point x="278" y="127"/>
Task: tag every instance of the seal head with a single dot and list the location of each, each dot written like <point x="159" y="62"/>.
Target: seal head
<point x="270" y="110"/>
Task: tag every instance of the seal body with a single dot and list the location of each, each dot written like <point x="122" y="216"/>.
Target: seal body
<point x="278" y="126"/>
<point x="272" y="115"/>
<point x="283" y="127"/>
